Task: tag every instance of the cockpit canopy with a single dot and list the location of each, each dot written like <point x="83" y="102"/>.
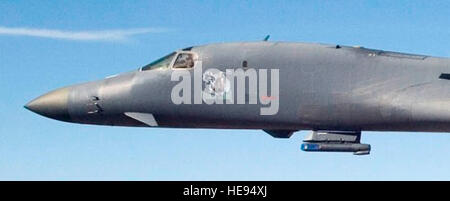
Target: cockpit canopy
<point x="184" y="60"/>
<point x="163" y="62"/>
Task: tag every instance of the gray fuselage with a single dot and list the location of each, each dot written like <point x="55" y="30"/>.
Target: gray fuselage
<point x="321" y="87"/>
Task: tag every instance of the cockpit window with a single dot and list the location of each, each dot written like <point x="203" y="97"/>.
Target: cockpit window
<point x="184" y="60"/>
<point x="163" y="62"/>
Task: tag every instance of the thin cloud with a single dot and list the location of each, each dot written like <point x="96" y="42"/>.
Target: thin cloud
<point x="103" y="35"/>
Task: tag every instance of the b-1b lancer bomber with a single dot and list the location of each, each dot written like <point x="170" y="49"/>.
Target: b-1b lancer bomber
<point x="279" y="87"/>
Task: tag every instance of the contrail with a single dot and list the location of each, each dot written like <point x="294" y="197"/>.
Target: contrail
<point x="102" y="35"/>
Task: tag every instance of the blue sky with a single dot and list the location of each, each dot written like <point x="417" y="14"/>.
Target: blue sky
<point x="46" y="44"/>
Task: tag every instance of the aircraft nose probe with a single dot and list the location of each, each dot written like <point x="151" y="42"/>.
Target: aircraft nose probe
<point x="52" y="105"/>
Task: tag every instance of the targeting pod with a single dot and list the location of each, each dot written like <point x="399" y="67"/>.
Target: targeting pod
<point x="335" y="141"/>
<point x="356" y="148"/>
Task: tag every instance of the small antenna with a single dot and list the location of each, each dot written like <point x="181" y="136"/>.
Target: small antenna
<point x="266" y="38"/>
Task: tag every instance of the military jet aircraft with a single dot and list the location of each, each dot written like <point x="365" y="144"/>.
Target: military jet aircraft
<point x="333" y="90"/>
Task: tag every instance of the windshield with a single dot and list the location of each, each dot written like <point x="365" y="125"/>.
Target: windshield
<point x="163" y="62"/>
<point x="184" y="60"/>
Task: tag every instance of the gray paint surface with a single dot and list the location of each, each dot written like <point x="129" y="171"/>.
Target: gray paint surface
<point x="322" y="87"/>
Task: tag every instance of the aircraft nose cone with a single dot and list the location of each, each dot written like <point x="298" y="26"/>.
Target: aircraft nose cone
<point x="52" y="105"/>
